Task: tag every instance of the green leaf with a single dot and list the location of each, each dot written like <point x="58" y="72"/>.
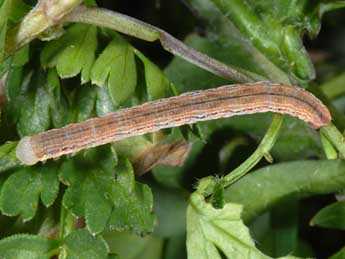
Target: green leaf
<point x="21" y="57"/>
<point x="273" y="239"/>
<point x="104" y="104"/>
<point x="131" y="246"/>
<point x="4" y="66"/>
<point x="94" y="193"/>
<point x="211" y="230"/>
<point x="157" y="84"/>
<point x="27" y="246"/>
<point x="27" y="89"/>
<point x="82" y="244"/>
<point x="18" y="10"/>
<point x="60" y="111"/>
<point x="116" y="67"/>
<point x="8" y="157"/>
<point x="332" y="216"/>
<point x="292" y="180"/>
<point x="4" y="13"/>
<point x="22" y="189"/>
<point x="339" y="255"/>
<point x="86" y="167"/>
<point x="34" y="115"/>
<point x="272" y="40"/>
<point x="170" y="206"/>
<point x="86" y="99"/>
<point x="13" y="90"/>
<point x="281" y="237"/>
<point x="77" y="106"/>
<point x="73" y="53"/>
<point x="132" y="202"/>
<point x="44" y="101"/>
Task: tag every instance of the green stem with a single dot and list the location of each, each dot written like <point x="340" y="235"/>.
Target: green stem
<point x="114" y="21"/>
<point x="330" y="151"/>
<point x="66" y="227"/>
<point x="262" y="151"/>
<point x="66" y="223"/>
<point x="335" y="137"/>
<point x="206" y="185"/>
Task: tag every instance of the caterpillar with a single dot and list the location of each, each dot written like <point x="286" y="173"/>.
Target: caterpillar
<point x="188" y="108"/>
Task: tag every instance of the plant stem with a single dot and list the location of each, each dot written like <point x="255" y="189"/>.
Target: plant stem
<point x="330" y="151"/>
<point x="46" y="14"/>
<point x="115" y="21"/>
<point x="131" y="26"/>
<point x="335" y="137"/>
<point x="262" y="151"/>
<point x="66" y="223"/>
<point x="50" y="13"/>
<point x="207" y="184"/>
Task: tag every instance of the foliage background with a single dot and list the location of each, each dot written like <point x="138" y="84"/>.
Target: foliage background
<point x="284" y="228"/>
<point x="329" y="46"/>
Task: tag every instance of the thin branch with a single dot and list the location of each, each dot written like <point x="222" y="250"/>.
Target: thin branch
<point x="131" y="26"/>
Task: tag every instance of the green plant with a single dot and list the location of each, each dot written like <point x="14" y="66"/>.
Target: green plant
<point x="90" y="205"/>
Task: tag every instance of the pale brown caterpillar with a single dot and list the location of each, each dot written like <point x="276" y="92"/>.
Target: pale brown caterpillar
<point x="188" y="108"/>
